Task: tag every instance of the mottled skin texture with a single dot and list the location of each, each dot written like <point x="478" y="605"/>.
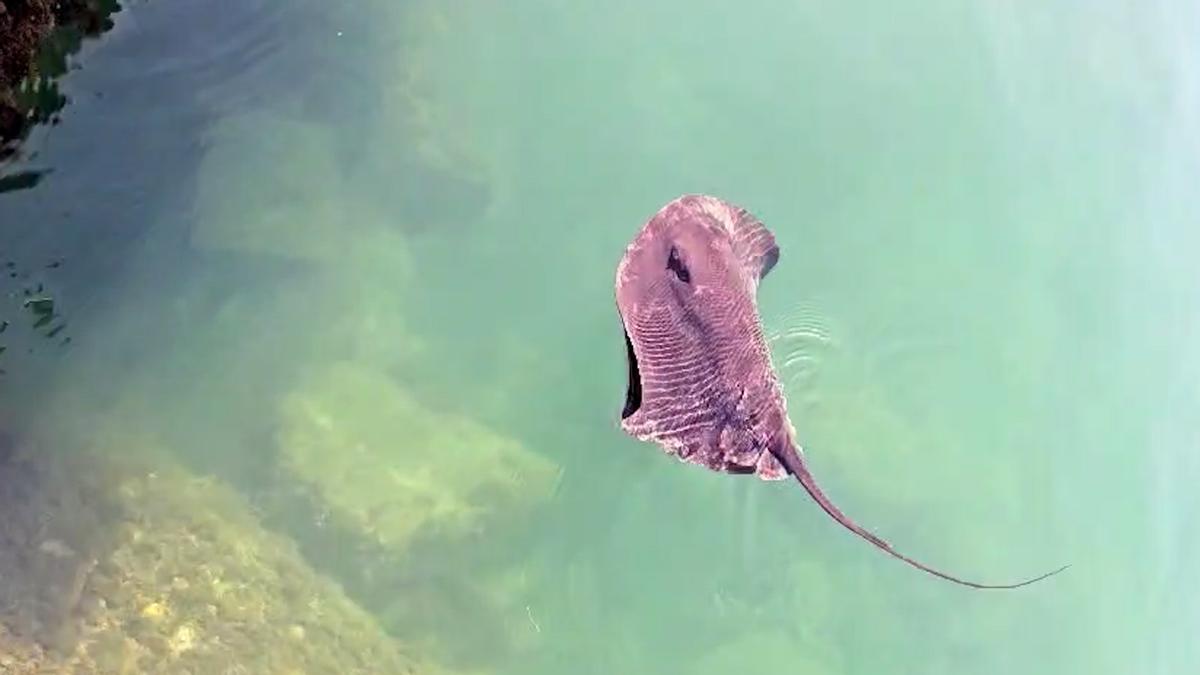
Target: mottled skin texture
<point x="701" y="381"/>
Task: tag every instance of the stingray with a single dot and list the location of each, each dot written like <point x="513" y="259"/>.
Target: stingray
<point x="701" y="383"/>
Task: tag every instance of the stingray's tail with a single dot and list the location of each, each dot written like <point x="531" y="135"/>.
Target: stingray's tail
<point x="791" y="460"/>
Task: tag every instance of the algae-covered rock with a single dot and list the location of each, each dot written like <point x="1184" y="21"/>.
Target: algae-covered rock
<point x="394" y="470"/>
<point x="175" y="575"/>
<point x="195" y="584"/>
<point x="56" y="511"/>
<point x="21" y="656"/>
<point x="270" y="187"/>
<point x="423" y="513"/>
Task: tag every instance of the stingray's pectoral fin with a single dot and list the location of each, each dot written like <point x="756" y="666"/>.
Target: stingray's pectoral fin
<point x="790" y="459"/>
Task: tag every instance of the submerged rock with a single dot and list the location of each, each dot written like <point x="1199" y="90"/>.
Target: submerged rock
<point x="396" y="471"/>
<point x="423" y="513"/>
<point x="426" y="193"/>
<point x="270" y="185"/>
<point x="40" y="34"/>
<point x="425" y="168"/>
<point x="197" y="584"/>
<point x="19" y="656"/>
<point x="23" y="26"/>
<point x="178" y="576"/>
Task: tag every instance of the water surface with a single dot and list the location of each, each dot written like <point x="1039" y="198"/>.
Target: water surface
<point x="984" y="313"/>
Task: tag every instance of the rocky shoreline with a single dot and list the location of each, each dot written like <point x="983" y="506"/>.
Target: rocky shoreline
<point x="30" y="31"/>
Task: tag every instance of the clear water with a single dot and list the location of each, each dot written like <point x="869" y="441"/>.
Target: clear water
<point x="986" y="311"/>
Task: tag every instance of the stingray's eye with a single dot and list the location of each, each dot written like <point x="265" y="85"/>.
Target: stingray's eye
<point x="676" y="265"/>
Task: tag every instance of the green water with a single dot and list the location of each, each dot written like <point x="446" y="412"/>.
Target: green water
<point x="985" y="312"/>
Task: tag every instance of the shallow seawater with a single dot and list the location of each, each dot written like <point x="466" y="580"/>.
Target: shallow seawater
<point x="358" y="267"/>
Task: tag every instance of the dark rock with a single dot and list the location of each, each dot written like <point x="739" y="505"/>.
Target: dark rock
<point x="27" y="28"/>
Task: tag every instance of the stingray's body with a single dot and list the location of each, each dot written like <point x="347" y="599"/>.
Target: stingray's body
<point x="701" y="381"/>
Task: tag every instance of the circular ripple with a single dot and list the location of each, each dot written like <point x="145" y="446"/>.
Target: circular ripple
<point x="802" y="342"/>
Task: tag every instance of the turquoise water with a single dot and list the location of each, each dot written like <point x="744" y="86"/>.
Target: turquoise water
<point x="984" y="314"/>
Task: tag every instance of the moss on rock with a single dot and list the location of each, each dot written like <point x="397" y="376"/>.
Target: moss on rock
<point x="184" y="579"/>
<point x="20" y="656"/>
<point x="195" y="584"/>
<point x="396" y="471"/>
<point x="423" y="513"/>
